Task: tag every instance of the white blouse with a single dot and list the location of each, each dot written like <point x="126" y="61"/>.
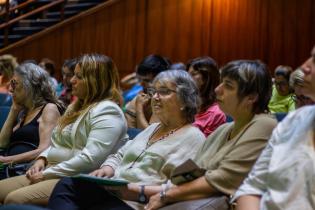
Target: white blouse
<point x="284" y="175"/>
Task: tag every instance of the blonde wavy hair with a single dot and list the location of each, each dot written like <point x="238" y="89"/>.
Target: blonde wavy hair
<point x="101" y="81"/>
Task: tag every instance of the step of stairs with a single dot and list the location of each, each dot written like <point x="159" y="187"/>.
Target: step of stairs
<point x="38" y="22"/>
<point x="27" y="30"/>
<point x="41" y="21"/>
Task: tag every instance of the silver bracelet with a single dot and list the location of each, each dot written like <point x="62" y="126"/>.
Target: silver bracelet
<point x="163" y="193"/>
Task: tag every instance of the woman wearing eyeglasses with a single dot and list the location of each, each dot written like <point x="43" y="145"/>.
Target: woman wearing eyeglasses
<point x="33" y="115"/>
<point x="232" y="149"/>
<point x="281" y="100"/>
<point x="147" y="161"/>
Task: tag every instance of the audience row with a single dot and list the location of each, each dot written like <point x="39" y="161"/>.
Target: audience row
<point x="182" y="116"/>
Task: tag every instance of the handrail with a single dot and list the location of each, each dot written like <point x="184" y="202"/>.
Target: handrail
<point x="42" y="8"/>
<point x="6" y="25"/>
<point x="19" y="6"/>
<point x="57" y="26"/>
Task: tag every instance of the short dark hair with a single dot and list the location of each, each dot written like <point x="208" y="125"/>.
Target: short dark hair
<point x="252" y="77"/>
<point x="152" y="64"/>
<point x="284" y="71"/>
<point x="70" y="64"/>
<point x="48" y="65"/>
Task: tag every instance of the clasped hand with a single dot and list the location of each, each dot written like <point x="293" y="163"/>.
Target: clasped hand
<point x="35" y="173"/>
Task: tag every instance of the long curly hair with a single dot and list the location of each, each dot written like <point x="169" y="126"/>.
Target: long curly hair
<point x="36" y="82"/>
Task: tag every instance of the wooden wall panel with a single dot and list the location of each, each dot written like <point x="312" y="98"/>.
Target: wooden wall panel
<point x="275" y="31"/>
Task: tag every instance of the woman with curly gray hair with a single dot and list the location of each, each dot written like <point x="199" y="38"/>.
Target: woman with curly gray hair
<point x="148" y="160"/>
<point x="33" y="114"/>
<point x="232" y="149"/>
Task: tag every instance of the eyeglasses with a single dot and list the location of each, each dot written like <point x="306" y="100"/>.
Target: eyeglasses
<point x="283" y="83"/>
<point x="161" y="92"/>
<point x="13" y="83"/>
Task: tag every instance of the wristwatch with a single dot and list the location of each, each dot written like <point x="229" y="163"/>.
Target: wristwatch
<point x="142" y="197"/>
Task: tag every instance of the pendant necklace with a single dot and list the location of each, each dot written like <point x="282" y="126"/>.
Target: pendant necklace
<point x="148" y="144"/>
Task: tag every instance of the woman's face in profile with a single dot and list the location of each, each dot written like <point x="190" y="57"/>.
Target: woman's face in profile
<point x="19" y="94"/>
<point x="78" y="87"/>
<point x="308" y="68"/>
<point x="197" y="76"/>
<point x="227" y="97"/>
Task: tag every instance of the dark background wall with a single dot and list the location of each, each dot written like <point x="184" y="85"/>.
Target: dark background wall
<point x="275" y="31"/>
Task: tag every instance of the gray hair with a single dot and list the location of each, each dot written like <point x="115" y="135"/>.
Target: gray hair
<point x="36" y="82"/>
<point x="186" y="88"/>
<point x="296" y="78"/>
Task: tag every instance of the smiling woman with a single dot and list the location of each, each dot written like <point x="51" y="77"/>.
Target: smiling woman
<point x="231" y="149"/>
<point x="148" y="160"/>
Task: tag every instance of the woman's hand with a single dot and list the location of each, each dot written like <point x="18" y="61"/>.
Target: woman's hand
<point x="36" y="168"/>
<point x="4" y="159"/>
<point x="154" y="203"/>
<point x="35" y="178"/>
<point x="142" y="100"/>
<point x="105" y="171"/>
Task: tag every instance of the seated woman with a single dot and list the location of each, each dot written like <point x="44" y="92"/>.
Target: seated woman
<point x="231" y="150"/>
<point x="281" y="100"/>
<point x="50" y="67"/>
<point x="91" y="129"/>
<point x="279" y="180"/>
<point x="296" y="83"/>
<point x="147" y="161"/>
<point x="33" y="115"/>
<point x="204" y="71"/>
<point x="7" y="65"/>
<point x="67" y="72"/>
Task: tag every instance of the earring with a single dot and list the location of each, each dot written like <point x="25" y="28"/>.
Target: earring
<point x="182" y="108"/>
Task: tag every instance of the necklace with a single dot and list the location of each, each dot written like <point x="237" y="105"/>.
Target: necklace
<point x="151" y="143"/>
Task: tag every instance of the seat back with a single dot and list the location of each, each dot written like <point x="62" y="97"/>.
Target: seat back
<point x="4" y="111"/>
<point x="133" y="132"/>
<point x="17" y="169"/>
<point x="280" y="116"/>
<point x="5" y="99"/>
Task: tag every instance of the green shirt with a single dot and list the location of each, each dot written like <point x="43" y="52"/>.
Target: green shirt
<point x="280" y="103"/>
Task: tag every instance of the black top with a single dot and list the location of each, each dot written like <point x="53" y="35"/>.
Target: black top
<point x="29" y="132"/>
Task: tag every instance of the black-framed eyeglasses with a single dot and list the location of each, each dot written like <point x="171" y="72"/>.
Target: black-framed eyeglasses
<point x="161" y="91"/>
<point x="282" y="83"/>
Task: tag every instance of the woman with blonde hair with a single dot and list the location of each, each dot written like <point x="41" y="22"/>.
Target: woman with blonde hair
<point x="92" y="128"/>
<point x="7" y="65"/>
